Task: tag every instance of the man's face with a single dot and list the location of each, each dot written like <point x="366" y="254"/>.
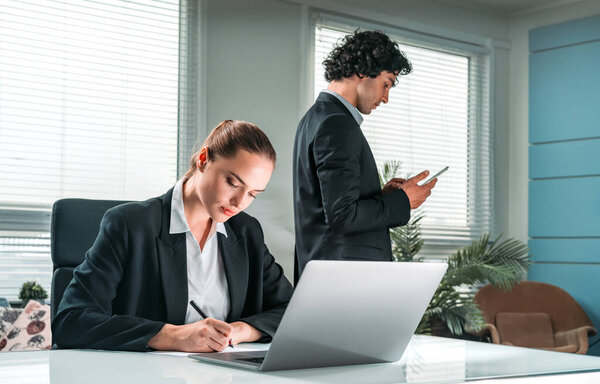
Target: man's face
<point x="371" y="92"/>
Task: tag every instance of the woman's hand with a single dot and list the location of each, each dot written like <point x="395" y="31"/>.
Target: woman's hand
<point x="208" y="335"/>
<point x="244" y="333"/>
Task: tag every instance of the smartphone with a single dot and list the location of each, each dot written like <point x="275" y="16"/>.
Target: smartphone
<point x="436" y="175"/>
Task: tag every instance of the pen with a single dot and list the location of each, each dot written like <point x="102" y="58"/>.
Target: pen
<point x="197" y="308"/>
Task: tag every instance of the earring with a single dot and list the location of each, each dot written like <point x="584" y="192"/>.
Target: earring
<point x="201" y="158"/>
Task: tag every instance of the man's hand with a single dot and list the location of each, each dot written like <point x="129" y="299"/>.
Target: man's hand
<point x="206" y="335"/>
<point x="417" y="194"/>
<point x="393" y="184"/>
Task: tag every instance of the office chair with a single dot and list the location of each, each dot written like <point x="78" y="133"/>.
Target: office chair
<point x="74" y="227"/>
<point x="535" y="315"/>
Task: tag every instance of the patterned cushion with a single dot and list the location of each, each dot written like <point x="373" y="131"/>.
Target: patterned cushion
<point x="30" y="331"/>
<point x="7" y="318"/>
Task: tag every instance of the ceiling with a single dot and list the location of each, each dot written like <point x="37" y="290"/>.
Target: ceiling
<point x="508" y="7"/>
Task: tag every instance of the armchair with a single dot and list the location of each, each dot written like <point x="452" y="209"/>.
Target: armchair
<point x="535" y="315"/>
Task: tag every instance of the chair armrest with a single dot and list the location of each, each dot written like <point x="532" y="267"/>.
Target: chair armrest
<point x="577" y="336"/>
<point x="487" y="329"/>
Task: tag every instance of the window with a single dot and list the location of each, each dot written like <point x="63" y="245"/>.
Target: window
<point x="436" y="116"/>
<point x="94" y="102"/>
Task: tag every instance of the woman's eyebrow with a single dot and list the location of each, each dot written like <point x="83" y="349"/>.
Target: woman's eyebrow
<point x="242" y="181"/>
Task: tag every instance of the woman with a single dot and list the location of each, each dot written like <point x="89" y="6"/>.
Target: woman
<point x="151" y="259"/>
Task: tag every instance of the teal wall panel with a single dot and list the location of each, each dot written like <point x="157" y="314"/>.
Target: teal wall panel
<point x="572" y="158"/>
<point x="572" y="32"/>
<point x="564" y="93"/>
<point x="580" y="281"/>
<point x="565" y="250"/>
<point x="564" y="160"/>
<point x="564" y="207"/>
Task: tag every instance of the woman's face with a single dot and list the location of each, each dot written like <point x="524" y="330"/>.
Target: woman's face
<point x="227" y="186"/>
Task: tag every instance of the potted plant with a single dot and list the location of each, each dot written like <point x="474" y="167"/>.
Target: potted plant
<point x="501" y="263"/>
<point x="452" y="309"/>
<point x="31" y="290"/>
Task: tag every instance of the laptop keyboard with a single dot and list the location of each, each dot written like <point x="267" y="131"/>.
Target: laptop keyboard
<point x="257" y="360"/>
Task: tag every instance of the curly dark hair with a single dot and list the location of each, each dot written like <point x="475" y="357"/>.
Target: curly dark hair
<point x="365" y="53"/>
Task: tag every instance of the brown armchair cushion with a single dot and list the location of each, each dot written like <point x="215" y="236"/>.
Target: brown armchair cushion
<point x="533" y="329"/>
<point x="550" y="317"/>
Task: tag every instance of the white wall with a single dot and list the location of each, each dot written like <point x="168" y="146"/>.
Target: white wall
<point x="519" y="27"/>
<point x="252" y="64"/>
<point x="430" y="16"/>
<point x="255" y="68"/>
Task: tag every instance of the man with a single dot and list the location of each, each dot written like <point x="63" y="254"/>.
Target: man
<point x="340" y="210"/>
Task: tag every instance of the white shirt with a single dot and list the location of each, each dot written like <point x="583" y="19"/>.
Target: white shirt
<point x="207" y="283"/>
<point x="355" y="112"/>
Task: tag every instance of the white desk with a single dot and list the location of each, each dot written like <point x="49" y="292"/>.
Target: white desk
<point x="427" y="360"/>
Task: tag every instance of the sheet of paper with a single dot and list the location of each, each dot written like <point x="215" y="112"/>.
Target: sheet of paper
<point x="243" y="347"/>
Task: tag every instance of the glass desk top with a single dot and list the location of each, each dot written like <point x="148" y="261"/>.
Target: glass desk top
<point x="426" y="360"/>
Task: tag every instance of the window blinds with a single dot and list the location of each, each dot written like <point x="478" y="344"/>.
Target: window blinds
<point x="88" y="108"/>
<point x="436" y="116"/>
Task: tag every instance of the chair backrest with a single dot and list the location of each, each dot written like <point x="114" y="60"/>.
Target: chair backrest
<point x="533" y="296"/>
<point x="74" y="227"/>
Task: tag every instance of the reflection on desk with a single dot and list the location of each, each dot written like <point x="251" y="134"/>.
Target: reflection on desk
<point x="426" y="360"/>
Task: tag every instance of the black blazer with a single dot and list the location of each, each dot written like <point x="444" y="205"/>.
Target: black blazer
<point x="134" y="280"/>
<point x="339" y="209"/>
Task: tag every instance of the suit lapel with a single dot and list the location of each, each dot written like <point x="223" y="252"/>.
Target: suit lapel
<point x="171" y="250"/>
<point x="235" y="263"/>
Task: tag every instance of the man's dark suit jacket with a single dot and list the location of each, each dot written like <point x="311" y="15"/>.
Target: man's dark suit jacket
<point x="134" y="280"/>
<point x="339" y="209"/>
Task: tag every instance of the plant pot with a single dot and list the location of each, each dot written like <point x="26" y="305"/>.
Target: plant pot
<point x="439" y="328"/>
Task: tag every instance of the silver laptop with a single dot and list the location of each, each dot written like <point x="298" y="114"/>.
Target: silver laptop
<point x="343" y="313"/>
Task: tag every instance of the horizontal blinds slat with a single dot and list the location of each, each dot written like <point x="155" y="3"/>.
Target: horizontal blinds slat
<point x="113" y="10"/>
<point x="72" y="77"/>
<point x="44" y="79"/>
<point x="86" y="131"/>
<point x="17" y="219"/>
<point x="162" y="37"/>
<point x="436" y="116"/>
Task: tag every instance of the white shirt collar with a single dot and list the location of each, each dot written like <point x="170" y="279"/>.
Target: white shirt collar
<point x="178" y="222"/>
<point x="353" y="110"/>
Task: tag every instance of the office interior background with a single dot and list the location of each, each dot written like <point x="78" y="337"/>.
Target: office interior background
<point x="106" y="99"/>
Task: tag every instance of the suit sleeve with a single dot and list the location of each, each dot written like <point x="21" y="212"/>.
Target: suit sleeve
<point x="337" y="152"/>
<point x="276" y="293"/>
<point x="84" y="318"/>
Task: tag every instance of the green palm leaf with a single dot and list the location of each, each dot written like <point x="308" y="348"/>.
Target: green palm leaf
<point x="501" y="263"/>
